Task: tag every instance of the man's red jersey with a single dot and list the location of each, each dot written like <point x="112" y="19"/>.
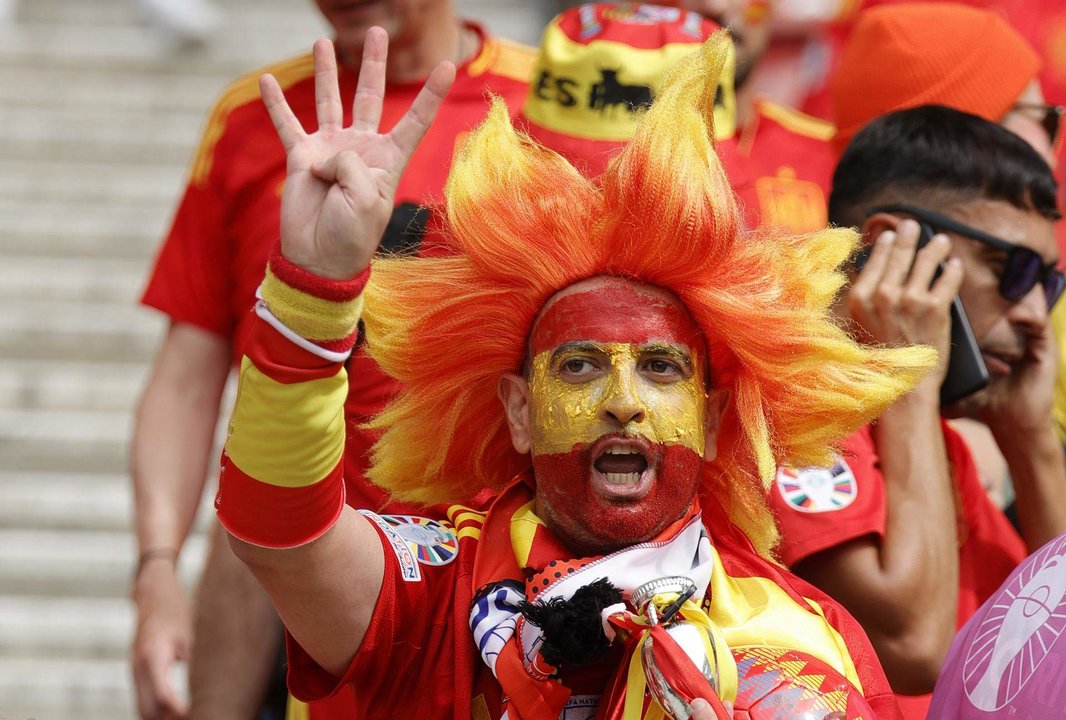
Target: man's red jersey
<point x="821" y="509"/>
<point x="781" y="167"/>
<point x="215" y="255"/>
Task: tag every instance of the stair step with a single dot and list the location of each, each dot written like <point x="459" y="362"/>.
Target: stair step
<point x="70" y="384"/>
<point x="64" y="441"/>
<point x="109" y="47"/>
<point x="67" y="628"/>
<point x="100" y="502"/>
<point x="113" y="94"/>
<point x="62" y="689"/>
<point x="51" y="227"/>
<point x="75" y="279"/>
<point x="73" y="564"/>
<point x="46" y="329"/>
<point x="117" y="184"/>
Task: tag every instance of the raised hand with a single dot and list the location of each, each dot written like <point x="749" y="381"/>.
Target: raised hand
<point x="891" y="301"/>
<point x="341" y="182"/>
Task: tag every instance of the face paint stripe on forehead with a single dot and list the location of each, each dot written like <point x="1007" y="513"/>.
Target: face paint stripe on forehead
<point x="616" y="311"/>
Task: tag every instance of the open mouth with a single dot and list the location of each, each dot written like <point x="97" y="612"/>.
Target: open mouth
<point x="622" y="468"/>
<point x="621" y="465"/>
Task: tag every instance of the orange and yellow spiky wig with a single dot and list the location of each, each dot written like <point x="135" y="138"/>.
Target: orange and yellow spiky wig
<point x="526" y="224"/>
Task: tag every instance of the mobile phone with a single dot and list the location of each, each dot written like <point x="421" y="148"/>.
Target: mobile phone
<point x="966" y="372"/>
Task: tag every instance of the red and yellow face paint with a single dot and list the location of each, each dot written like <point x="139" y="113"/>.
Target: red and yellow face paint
<point x="618" y="412"/>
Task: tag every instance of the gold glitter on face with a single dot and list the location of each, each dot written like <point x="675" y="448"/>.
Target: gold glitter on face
<point x="582" y="391"/>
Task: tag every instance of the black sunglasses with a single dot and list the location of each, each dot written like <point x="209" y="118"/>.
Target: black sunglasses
<point x="1051" y="121"/>
<point x="1023" y="270"/>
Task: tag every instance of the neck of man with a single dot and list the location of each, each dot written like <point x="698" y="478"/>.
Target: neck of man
<point x="439" y="36"/>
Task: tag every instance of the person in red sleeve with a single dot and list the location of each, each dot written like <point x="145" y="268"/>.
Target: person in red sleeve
<point x="603" y="355"/>
<point x="899" y="529"/>
<point x="204" y="281"/>
<point x="783" y="163"/>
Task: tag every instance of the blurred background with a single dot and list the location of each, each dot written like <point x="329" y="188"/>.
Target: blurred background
<point x="101" y="105"/>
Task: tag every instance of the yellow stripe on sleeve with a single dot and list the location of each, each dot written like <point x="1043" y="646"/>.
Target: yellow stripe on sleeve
<point x="287" y="434"/>
<point x="242" y="91"/>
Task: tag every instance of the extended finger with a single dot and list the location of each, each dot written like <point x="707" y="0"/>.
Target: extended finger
<point x="370" y="92"/>
<point x="870" y="274"/>
<point x="902" y="255"/>
<point x="927" y="262"/>
<point x="412" y="127"/>
<point x="285" y="123"/>
<point x="950" y="280"/>
<point x="327" y="94"/>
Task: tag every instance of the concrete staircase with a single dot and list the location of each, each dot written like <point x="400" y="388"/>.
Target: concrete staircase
<point x="98" y="117"/>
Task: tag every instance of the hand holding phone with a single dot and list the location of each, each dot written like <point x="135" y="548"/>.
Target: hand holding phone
<point x="903" y="288"/>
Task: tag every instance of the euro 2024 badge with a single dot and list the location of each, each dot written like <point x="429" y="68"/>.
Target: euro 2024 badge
<point x="433" y="542"/>
<point x="817" y="490"/>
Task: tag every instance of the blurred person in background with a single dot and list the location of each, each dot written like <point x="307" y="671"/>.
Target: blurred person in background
<point x="902" y="55"/>
<point x="783" y="164"/>
<point x="900" y="530"/>
<point x="204" y="280"/>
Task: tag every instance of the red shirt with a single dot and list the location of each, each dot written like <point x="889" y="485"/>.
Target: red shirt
<point x="820" y="509"/>
<point x="418" y="655"/>
<point x="215" y="255"/>
<point x="782" y="168"/>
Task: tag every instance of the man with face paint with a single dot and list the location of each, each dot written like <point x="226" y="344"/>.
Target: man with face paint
<point x="654" y="364"/>
<point x="635" y="402"/>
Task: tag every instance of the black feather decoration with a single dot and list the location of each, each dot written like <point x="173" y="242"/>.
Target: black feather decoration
<point x="573" y="632"/>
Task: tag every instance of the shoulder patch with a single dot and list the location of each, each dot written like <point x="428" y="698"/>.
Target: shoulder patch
<point x="432" y="541"/>
<point x="409" y="570"/>
<point x="818" y="490"/>
<point x="797" y="122"/>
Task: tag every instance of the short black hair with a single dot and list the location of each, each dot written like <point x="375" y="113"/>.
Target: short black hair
<point x="937" y="154"/>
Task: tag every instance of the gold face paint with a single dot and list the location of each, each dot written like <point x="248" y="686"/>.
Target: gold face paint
<point x="582" y="391"/>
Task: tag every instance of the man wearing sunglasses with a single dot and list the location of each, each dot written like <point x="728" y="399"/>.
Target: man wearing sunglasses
<point x="900" y="529"/>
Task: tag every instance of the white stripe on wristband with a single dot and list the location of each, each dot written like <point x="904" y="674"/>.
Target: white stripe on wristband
<point x="263" y="311"/>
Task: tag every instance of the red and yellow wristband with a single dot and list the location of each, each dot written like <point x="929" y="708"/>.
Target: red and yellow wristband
<point x="281" y="483"/>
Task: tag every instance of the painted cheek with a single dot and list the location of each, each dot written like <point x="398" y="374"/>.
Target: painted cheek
<point x="677" y="414"/>
<point x="563" y="414"/>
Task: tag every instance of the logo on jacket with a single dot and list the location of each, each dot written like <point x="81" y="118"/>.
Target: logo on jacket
<point x="816" y="490"/>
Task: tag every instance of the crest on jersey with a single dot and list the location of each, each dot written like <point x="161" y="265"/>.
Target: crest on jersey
<point x="433" y="542"/>
<point x="817" y="490"/>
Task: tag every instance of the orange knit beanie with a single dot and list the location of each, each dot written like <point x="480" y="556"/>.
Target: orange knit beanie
<point x="906" y="55"/>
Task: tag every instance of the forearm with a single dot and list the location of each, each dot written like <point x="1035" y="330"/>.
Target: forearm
<point x="281" y="492"/>
<point x="237" y="639"/>
<point x="912" y="618"/>
<point x="173" y="435"/>
<point x="1038" y="470"/>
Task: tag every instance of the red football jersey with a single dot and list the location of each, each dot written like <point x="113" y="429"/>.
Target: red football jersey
<point x="215" y="255"/>
<point x="781" y="168"/>
<point x="817" y="509"/>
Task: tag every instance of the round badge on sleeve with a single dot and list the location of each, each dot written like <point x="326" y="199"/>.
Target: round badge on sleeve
<point x="818" y="490"/>
<point x="433" y="542"/>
